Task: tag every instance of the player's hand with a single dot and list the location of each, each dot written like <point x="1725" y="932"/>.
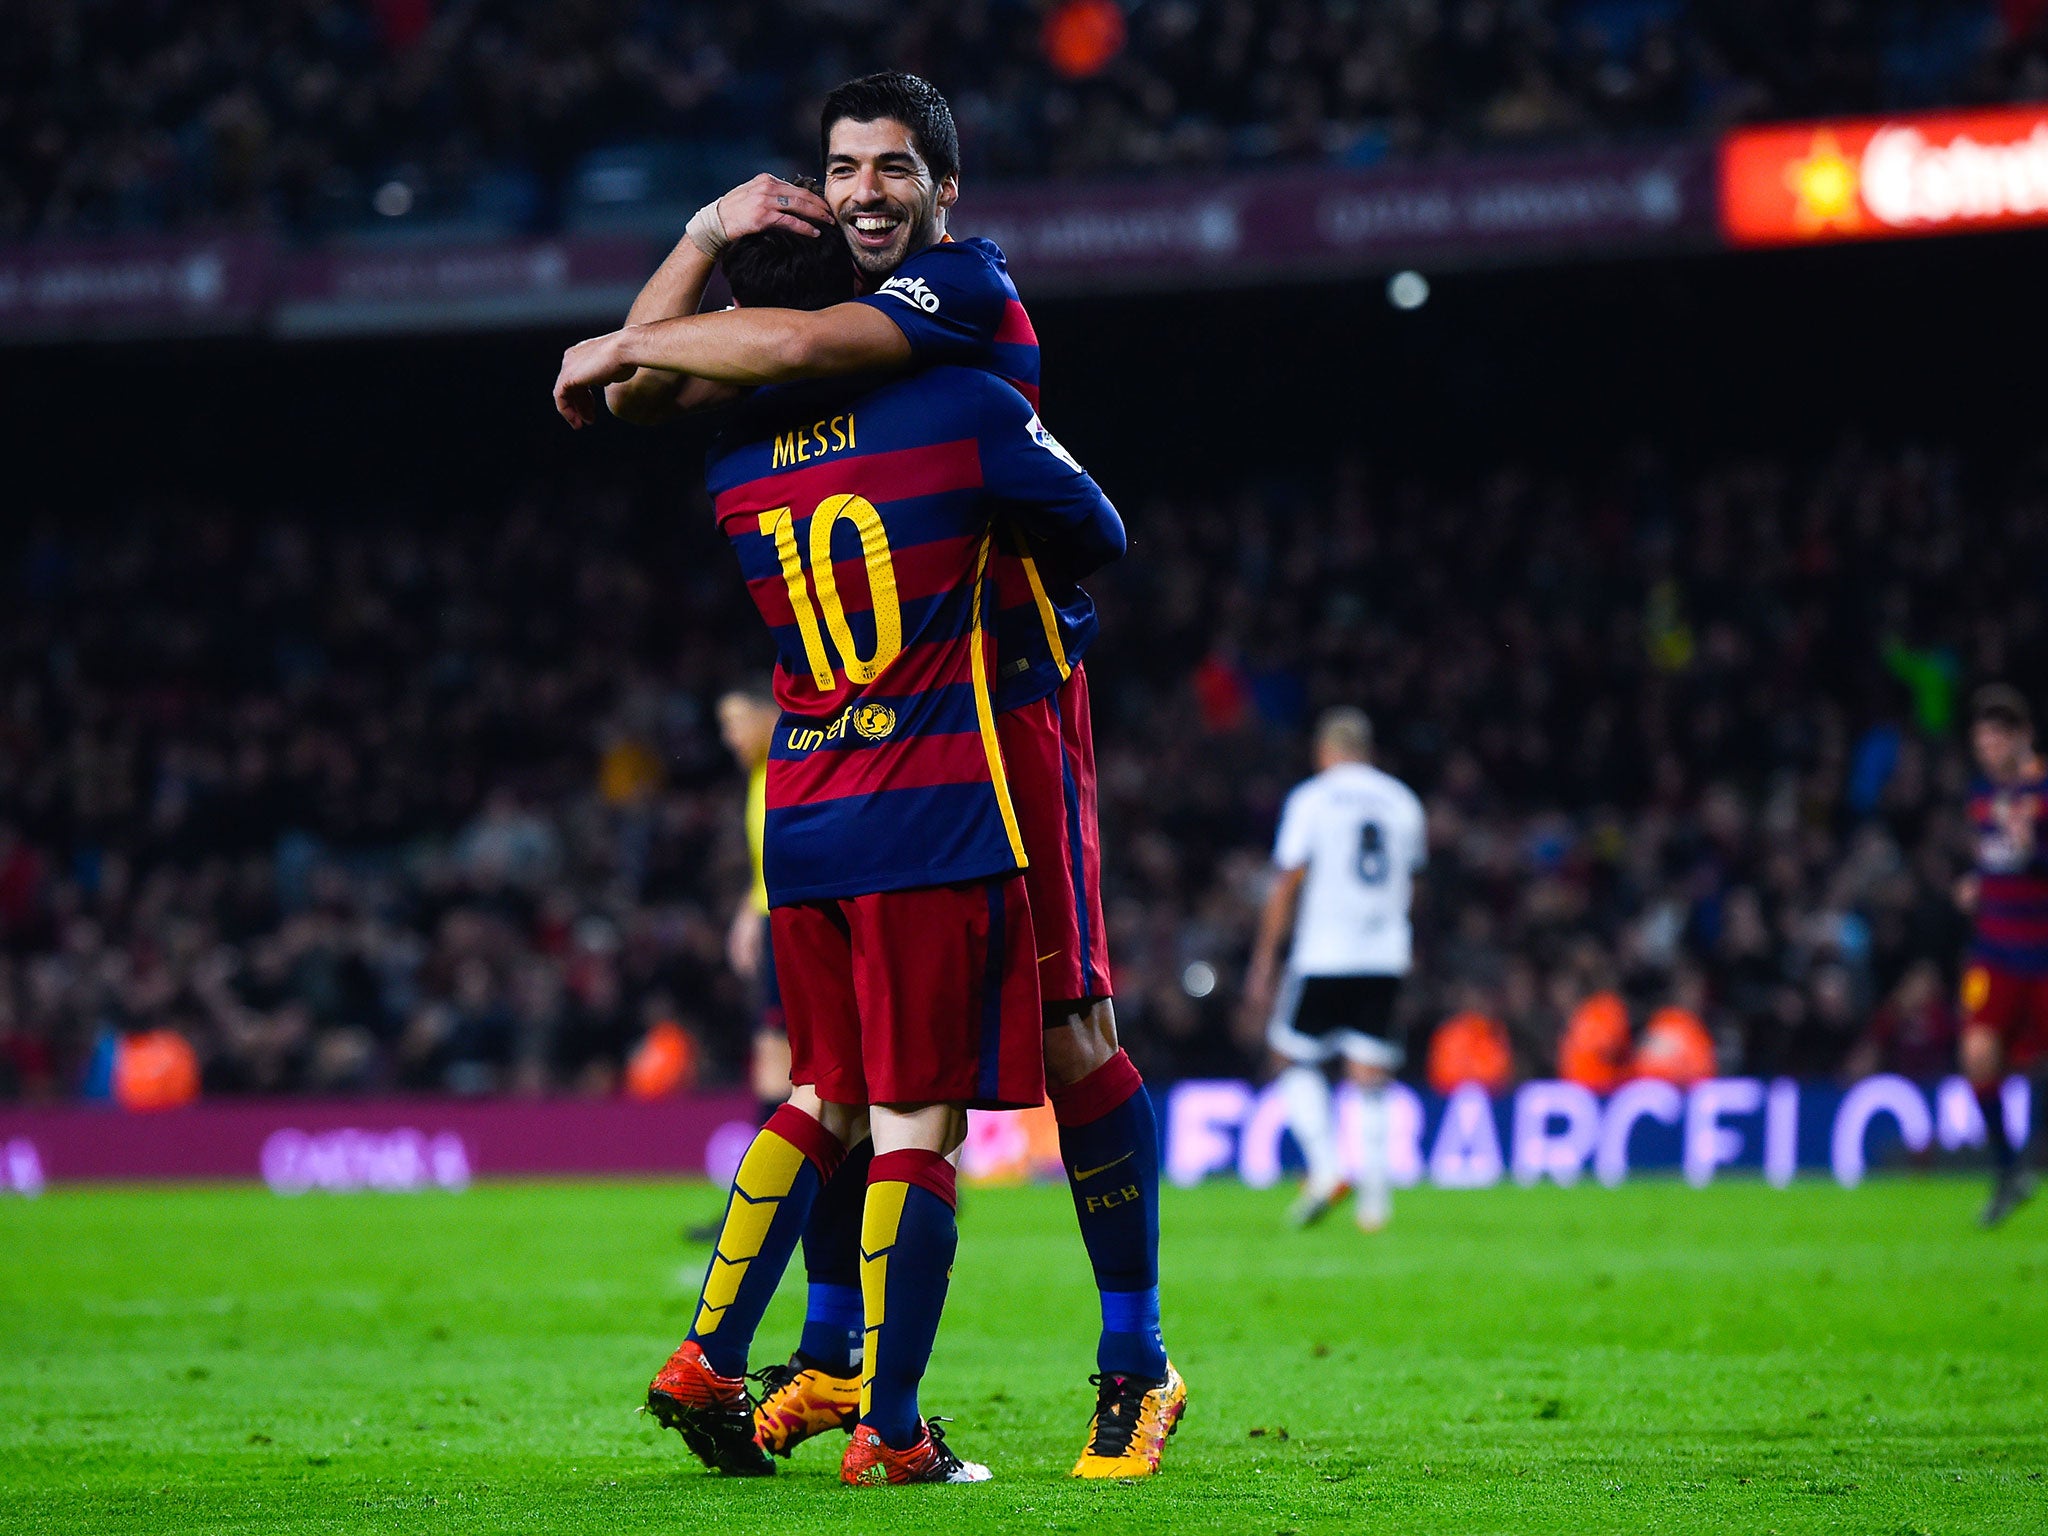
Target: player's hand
<point x="768" y="202"/>
<point x="1965" y="893"/>
<point x="586" y="368"/>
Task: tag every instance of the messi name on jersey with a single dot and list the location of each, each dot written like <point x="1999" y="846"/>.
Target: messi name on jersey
<point x="828" y="434"/>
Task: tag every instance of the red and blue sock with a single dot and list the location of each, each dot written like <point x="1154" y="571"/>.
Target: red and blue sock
<point x="835" y="1324"/>
<point x="790" y="1159"/>
<point x="1109" y="1139"/>
<point x="907" y="1242"/>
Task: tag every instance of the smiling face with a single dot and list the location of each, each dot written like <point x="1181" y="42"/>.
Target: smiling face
<point x="882" y="193"/>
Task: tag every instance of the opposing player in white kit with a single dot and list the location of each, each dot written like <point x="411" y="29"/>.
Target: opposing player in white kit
<point x="1351" y="842"/>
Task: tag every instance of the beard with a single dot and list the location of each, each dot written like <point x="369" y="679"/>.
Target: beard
<point x="913" y="232"/>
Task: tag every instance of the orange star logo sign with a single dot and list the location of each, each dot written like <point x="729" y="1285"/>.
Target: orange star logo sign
<point x="1825" y="183"/>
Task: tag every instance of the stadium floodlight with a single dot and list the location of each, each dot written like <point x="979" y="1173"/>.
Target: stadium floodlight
<point x="1408" y="290"/>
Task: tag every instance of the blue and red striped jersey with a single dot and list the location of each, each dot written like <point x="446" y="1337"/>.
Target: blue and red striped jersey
<point x="2010" y="825"/>
<point x="863" y="516"/>
<point x="955" y="303"/>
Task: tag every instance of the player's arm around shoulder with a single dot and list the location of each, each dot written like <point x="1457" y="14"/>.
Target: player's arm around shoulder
<point x="1051" y="497"/>
<point x="828" y="343"/>
<point x="653" y="398"/>
<point x="733" y="346"/>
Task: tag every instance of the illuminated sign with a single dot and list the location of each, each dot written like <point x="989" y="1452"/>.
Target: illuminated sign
<point x="404" y="1159"/>
<point x="1562" y="1132"/>
<point x="1875" y="178"/>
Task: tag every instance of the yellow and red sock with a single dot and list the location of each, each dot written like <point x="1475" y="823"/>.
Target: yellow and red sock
<point x="907" y="1241"/>
<point x="787" y="1163"/>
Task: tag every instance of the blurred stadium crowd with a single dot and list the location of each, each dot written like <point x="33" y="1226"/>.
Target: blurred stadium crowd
<point x="412" y="796"/>
<point x="501" y="114"/>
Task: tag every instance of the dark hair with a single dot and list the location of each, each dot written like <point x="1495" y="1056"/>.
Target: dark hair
<point x="781" y="269"/>
<point x="2004" y="703"/>
<point x="906" y="99"/>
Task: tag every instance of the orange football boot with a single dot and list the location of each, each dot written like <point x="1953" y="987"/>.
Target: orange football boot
<point x="800" y="1400"/>
<point x="868" y="1463"/>
<point x="710" y="1411"/>
<point x="1133" y="1418"/>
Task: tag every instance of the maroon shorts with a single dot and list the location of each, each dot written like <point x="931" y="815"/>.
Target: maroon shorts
<point x="1049" y="754"/>
<point x="2012" y="1006"/>
<point x="926" y="996"/>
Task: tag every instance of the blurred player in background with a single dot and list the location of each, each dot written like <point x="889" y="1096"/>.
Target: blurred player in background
<point x="891" y="155"/>
<point x="1351" y="840"/>
<point x="746" y="723"/>
<point x="2005" y="985"/>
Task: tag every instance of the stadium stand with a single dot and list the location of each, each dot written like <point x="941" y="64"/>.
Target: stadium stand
<point x="390" y="796"/>
<point x="493" y="116"/>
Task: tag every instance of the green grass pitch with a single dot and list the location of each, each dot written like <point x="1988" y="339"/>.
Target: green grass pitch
<point x="1652" y="1358"/>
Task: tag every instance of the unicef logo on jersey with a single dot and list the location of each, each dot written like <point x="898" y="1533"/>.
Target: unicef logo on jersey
<point x="876" y="722"/>
<point x="913" y="290"/>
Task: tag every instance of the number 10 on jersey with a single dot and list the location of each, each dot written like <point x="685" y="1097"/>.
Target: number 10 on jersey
<point x="780" y="525"/>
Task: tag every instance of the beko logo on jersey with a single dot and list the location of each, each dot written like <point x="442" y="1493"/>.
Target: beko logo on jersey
<point x="912" y="290"/>
<point x="813" y="442"/>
